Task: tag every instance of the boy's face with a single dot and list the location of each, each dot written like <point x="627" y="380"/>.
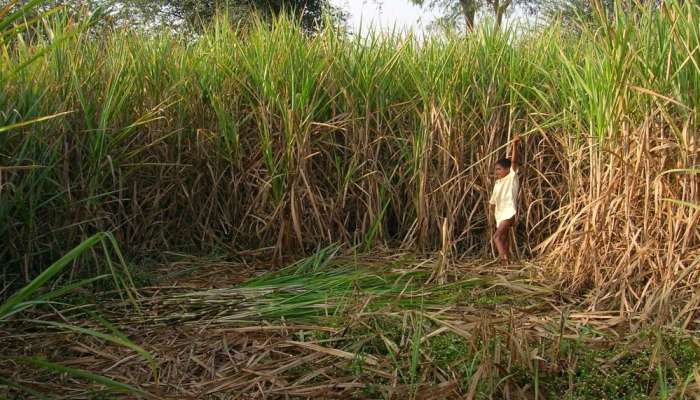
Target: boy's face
<point x="501" y="171"/>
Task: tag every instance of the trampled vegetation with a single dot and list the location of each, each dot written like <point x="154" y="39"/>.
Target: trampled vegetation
<point x="262" y="140"/>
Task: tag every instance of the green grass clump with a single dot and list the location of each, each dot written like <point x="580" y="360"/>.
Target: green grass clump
<point x="627" y="378"/>
<point x="685" y="353"/>
<point x="329" y="288"/>
<point x="638" y="369"/>
<point x="492" y="297"/>
<point x="448" y="348"/>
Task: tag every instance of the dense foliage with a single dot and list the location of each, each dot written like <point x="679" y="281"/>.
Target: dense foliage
<point x="268" y="138"/>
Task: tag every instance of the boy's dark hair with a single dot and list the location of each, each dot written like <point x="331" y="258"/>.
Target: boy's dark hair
<point x="504" y="162"/>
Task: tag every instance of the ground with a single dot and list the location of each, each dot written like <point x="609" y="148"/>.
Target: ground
<point x="366" y="327"/>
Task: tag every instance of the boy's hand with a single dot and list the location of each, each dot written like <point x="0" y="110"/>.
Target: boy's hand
<point x="515" y="162"/>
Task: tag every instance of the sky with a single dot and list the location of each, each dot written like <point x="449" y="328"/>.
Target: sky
<point x="401" y="13"/>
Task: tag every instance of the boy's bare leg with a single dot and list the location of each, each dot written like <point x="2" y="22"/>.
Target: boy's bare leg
<point x="500" y="239"/>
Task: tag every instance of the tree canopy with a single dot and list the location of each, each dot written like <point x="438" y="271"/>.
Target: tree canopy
<point x="455" y="11"/>
<point x="195" y="12"/>
<point x="458" y="12"/>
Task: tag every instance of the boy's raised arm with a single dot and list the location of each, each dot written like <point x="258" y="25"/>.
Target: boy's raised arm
<point x="514" y="162"/>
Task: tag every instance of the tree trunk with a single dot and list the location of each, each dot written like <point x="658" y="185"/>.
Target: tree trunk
<point x="499" y="10"/>
<point x="469" y="11"/>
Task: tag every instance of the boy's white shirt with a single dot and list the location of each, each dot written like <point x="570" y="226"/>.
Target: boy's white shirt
<point x="505" y="194"/>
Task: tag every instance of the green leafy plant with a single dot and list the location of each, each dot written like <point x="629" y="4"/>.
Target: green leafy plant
<point x="29" y="297"/>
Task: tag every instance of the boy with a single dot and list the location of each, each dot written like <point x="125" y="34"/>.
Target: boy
<point x="504" y="197"/>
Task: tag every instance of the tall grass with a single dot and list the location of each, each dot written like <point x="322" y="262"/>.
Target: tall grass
<point x="264" y="137"/>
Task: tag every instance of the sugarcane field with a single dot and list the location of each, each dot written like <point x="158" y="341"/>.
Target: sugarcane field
<point x="350" y="199"/>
